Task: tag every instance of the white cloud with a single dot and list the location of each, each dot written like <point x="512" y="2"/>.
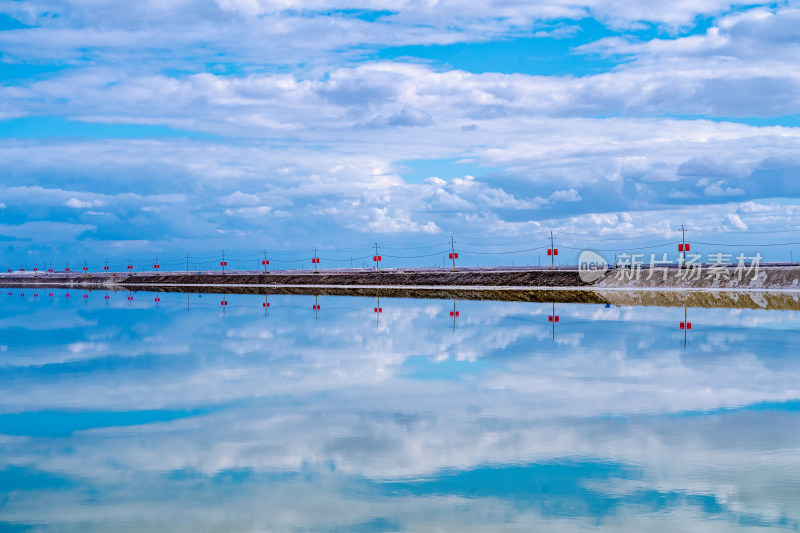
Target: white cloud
<point x="78" y="204"/>
<point x="567" y="195"/>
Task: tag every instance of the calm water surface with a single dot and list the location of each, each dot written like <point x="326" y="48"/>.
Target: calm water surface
<point x="185" y="415"/>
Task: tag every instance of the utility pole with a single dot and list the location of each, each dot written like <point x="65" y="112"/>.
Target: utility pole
<point x="316" y="260"/>
<point x="453" y="252"/>
<point x="683" y="239"/>
<point x="377" y="259"/>
<point x="187" y="266"/>
<point x="222" y="263"/>
<point x="265" y="262"/>
<point x="552" y="252"/>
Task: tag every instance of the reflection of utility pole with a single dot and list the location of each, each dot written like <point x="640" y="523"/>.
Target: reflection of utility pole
<point x="265" y="305"/>
<point x="224" y="304"/>
<point x="316" y="307"/>
<point x="553" y="319"/>
<point x="157" y="299"/>
<point x="454" y="314"/>
<point x="685" y="326"/>
<point x="378" y="311"/>
<point x="187" y="303"/>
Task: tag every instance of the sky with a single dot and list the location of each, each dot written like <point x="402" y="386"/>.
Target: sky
<point x="147" y="129"/>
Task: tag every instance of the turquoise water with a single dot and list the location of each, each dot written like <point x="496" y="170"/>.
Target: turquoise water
<point x="185" y="415"/>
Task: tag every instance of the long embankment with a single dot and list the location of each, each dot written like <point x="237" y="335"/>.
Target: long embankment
<point x="768" y="286"/>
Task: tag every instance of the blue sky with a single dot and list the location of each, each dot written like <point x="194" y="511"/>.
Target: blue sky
<point x="198" y="125"/>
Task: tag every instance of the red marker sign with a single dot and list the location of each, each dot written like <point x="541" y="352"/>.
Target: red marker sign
<point x="684" y="247"/>
<point x="265" y="262"/>
<point x="552" y="251"/>
<point x="315" y="259"/>
<point x="452" y="255"/>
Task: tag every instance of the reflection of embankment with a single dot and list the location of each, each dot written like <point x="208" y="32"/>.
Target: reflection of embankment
<point x="708" y="299"/>
<point x="618" y="297"/>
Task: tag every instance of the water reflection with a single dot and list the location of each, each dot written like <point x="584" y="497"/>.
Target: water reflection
<point x="236" y="412"/>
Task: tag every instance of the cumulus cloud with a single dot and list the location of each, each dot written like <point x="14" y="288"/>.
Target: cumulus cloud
<point x="315" y="131"/>
<point x="79" y="204"/>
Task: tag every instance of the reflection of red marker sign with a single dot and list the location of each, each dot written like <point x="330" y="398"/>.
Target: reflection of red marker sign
<point x="454" y="315"/>
<point x="379" y="309"/>
<point x="265" y="304"/>
<point x="551" y="318"/>
<point x="686" y="325"/>
<point x="316" y="308"/>
<point x="223" y="302"/>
